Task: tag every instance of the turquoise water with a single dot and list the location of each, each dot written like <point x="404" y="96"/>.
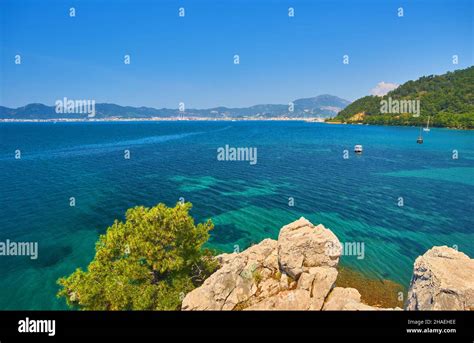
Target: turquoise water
<point x="356" y="198"/>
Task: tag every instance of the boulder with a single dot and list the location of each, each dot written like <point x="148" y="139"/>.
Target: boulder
<point x="237" y="280"/>
<point x="298" y="299"/>
<point x="305" y="282"/>
<point x="345" y="299"/>
<point x="284" y="282"/>
<point x="340" y="298"/>
<point x="301" y="245"/>
<point x="349" y="299"/>
<point x="323" y="282"/>
<point x="443" y="279"/>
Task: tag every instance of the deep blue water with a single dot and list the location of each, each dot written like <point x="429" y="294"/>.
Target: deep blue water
<point x="356" y="198"/>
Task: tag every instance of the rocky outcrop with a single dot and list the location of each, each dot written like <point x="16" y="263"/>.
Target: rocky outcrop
<point x="343" y="299"/>
<point x="443" y="279"/>
<point x="298" y="272"/>
<point x="310" y="292"/>
<point x="301" y="245"/>
<point x="322" y="283"/>
<point x="348" y="299"/>
<point x="243" y="278"/>
<point x="292" y="300"/>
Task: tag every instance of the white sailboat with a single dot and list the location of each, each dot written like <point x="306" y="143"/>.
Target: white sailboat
<point x="427" y="128"/>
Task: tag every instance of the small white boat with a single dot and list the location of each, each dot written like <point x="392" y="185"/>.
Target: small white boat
<point x="427" y="128"/>
<point x="358" y="149"/>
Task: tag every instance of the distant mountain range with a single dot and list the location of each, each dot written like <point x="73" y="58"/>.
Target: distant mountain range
<point x="323" y="106"/>
<point x="447" y="99"/>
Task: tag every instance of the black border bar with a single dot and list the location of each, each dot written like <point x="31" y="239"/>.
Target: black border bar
<point x="158" y="324"/>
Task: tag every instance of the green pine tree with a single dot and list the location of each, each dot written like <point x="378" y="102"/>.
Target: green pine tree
<point x="148" y="262"/>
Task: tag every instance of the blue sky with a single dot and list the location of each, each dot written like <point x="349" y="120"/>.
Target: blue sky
<point x="190" y="59"/>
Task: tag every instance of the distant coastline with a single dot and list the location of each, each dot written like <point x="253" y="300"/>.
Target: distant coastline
<point x="115" y="119"/>
<point x="321" y="106"/>
<point x="196" y="119"/>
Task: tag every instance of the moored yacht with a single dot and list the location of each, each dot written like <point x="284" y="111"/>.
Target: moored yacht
<point x="419" y="140"/>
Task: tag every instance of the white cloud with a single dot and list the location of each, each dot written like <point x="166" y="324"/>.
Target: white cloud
<point x="383" y="88"/>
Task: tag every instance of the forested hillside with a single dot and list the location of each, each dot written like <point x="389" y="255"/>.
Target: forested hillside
<point x="447" y="98"/>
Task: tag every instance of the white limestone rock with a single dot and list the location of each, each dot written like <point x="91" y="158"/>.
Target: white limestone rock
<point x="301" y="245"/>
<point x="443" y="279"/>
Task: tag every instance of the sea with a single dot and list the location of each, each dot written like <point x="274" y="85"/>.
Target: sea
<point x="396" y="200"/>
